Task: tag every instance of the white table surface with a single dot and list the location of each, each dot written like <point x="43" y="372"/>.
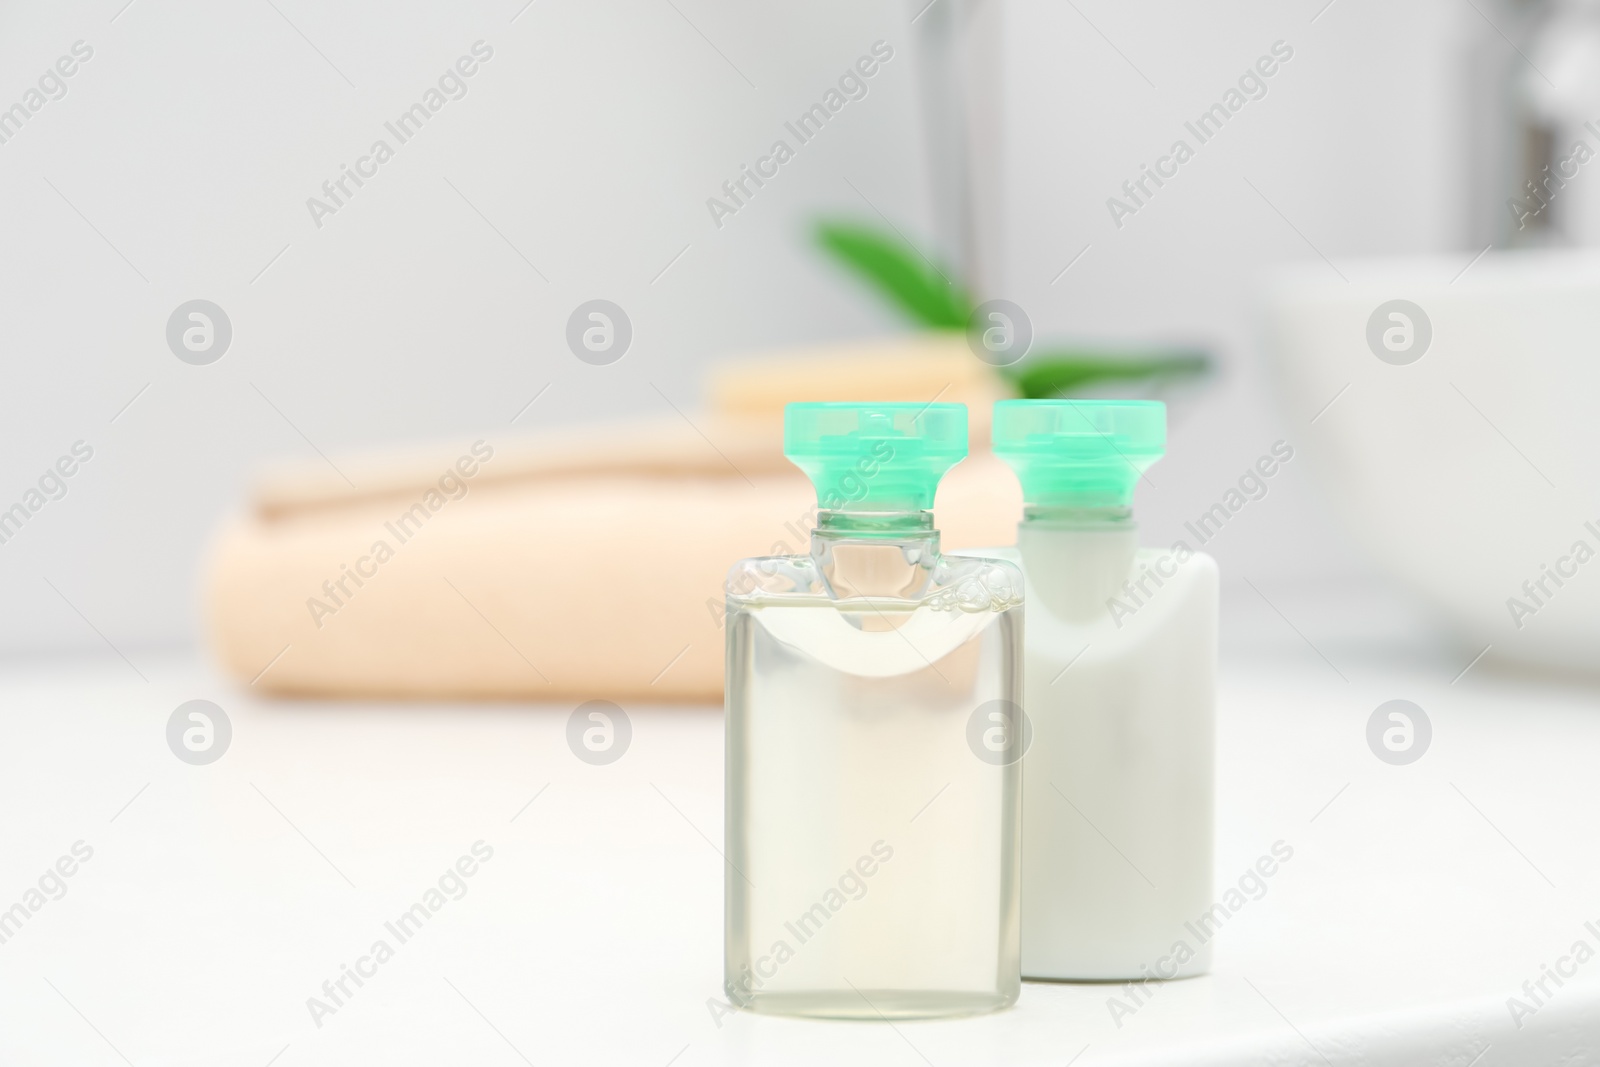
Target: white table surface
<point x="219" y="898"/>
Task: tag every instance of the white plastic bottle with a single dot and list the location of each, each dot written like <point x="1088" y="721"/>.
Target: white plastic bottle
<point x="1119" y="690"/>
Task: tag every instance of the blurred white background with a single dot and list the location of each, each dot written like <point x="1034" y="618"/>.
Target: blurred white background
<point x="178" y="165"/>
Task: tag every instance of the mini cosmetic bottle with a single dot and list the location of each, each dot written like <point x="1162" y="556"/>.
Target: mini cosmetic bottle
<point x="1120" y="694"/>
<point x="873" y="777"/>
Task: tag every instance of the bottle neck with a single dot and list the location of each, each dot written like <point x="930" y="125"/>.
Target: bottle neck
<point x="864" y="525"/>
<point x="875" y="553"/>
<point x="1077" y="558"/>
<point x="1067" y="517"/>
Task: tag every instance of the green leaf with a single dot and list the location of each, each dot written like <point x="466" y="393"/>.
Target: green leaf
<point x="925" y="292"/>
<point x="900" y="272"/>
<point x="1064" y="373"/>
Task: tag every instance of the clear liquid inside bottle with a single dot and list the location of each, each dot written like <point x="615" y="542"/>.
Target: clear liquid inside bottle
<point x="873" y="791"/>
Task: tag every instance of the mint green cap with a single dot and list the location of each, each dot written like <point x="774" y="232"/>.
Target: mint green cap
<point x="875" y="457"/>
<point x="1079" y="453"/>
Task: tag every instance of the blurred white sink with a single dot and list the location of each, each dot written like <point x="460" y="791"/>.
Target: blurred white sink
<point x="1466" y="465"/>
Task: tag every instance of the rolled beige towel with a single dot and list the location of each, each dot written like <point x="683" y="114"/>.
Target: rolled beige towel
<point x="916" y="368"/>
<point x="575" y="565"/>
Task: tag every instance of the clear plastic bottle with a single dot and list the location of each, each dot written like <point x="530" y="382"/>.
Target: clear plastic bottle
<point x="1120" y="693"/>
<point x="873" y="783"/>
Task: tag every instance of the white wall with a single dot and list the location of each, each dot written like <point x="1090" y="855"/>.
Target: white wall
<point x="188" y="145"/>
<point x="196" y="132"/>
<point x="1357" y="142"/>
